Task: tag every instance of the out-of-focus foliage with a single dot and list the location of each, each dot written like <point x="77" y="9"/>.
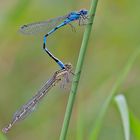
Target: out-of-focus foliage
<point x="135" y="125"/>
<point x="124" y="113"/>
<point x="24" y="67"/>
<point x="2" y="137"/>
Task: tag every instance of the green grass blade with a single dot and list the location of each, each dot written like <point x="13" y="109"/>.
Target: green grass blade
<point x="97" y="125"/>
<point x="135" y="125"/>
<point x="78" y="71"/>
<point x="123" y="109"/>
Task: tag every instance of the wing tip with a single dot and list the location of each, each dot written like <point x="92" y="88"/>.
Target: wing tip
<point x="23" y="29"/>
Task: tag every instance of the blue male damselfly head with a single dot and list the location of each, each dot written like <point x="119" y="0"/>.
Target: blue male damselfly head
<point x="83" y="12"/>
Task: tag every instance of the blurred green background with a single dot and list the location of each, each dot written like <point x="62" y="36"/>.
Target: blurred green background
<point x="24" y="67"/>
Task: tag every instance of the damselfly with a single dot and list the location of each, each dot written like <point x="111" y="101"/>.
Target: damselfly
<point x="51" y="26"/>
<point x="29" y="107"/>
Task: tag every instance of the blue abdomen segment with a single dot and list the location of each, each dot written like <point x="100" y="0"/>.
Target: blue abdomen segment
<point x="44" y="40"/>
<point x="61" y="64"/>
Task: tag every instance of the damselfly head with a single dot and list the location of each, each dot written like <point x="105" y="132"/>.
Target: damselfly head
<point x="83" y="12"/>
<point x="68" y="66"/>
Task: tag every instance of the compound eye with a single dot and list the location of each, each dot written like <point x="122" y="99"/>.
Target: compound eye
<point x="83" y="12"/>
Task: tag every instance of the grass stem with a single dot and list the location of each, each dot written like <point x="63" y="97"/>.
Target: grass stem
<point x="78" y="71"/>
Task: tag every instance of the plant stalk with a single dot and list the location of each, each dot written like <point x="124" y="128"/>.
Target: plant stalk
<point x="78" y="71"/>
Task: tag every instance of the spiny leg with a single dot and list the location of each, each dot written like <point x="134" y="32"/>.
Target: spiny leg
<point x="72" y="27"/>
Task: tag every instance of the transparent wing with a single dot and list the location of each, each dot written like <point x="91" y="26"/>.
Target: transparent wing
<point x="23" y="112"/>
<point x="43" y="26"/>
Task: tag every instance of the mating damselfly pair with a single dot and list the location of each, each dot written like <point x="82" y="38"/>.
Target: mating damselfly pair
<point x="49" y="26"/>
